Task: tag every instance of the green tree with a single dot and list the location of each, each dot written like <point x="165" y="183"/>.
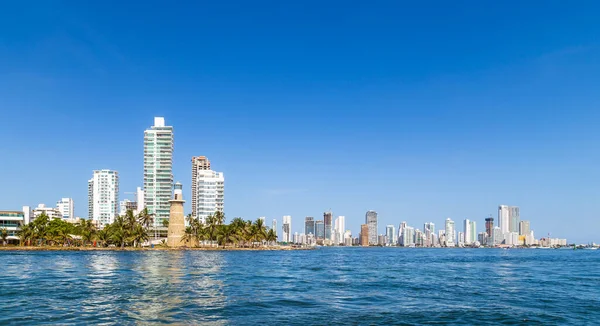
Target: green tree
<point x="119" y="231"/>
<point x="271" y="236"/>
<point x="4" y="235"/>
<point x="145" y="218"/>
<point x="139" y="235"/>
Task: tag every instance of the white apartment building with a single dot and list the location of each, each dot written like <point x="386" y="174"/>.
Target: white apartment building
<point x="450" y="233"/>
<point x="390" y="232"/>
<point x="139" y="194"/>
<point x="340" y="228"/>
<point x="158" y="170"/>
<point x="52" y="212"/>
<point x="103" y="196"/>
<point x="66" y="207"/>
<point x="209" y="193"/>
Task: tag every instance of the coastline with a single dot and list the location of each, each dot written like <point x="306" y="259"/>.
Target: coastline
<point x="25" y="248"/>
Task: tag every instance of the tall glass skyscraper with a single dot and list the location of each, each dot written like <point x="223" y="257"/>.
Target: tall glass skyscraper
<point x="158" y="170"/>
<point x="309" y="225"/>
<point x="371" y="221"/>
<point x="320" y="230"/>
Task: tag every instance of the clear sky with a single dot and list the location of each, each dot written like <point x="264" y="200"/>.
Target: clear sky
<point x="420" y="110"/>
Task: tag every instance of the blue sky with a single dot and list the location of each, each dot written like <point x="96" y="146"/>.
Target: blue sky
<point x="418" y="110"/>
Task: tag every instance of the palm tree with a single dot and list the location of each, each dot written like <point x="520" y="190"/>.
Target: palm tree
<point x="260" y="230"/>
<point x="130" y="220"/>
<point x="211" y="227"/>
<point x="225" y="235"/>
<point x="188" y="234"/>
<point x="219" y="217"/>
<point x="40" y="228"/>
<point x="144" y="218"/>
<point x="271" y="236"/>
<point x="119" y="231"/>
<point x="25" y="233"/>
<point x="139" y="235"/>
<point x="103" y="236"/>
<point x="87" y="230"/>
<point x="4" y="235"/>
<point x="238" y="224"/>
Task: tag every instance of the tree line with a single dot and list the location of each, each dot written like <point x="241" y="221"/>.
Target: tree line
<point x="132" y="230"/>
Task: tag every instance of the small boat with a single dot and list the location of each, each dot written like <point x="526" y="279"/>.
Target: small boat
<point x="590" y="248"/>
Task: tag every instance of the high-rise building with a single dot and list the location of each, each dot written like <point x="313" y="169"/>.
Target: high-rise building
<point x="401" y="228"/>
<point x="364" y="235"/>
<point x="199" y="163"/>
<point x="158" y="170"/>
<point x="390" y="232"/>
<point x="524" y="228"/>
<point x="103" y="196"/>
<point x="473" y="230"/>
<point x="340" y="227"/>
<point x="274" y="226"/>
<point x="327" y="219"/>
<point x="139" y="194"/>
<point x="371" y="221"/>
<point x="320" y="230"/>
<point x="509" y="218"/>
<point x="209" y="190"/>
<point x="408" y="236"/>
<point x="497" y="236"/>
<point x="429" y="233"/>
<point x="470" y="232"/>
<point x="450" y="233"/>
<point x="287" y="229"/>
<point x="309" y="225"/>
<point x="467" y="231"/>
<point x="489" y="226"/>
<point x="66" y="207"/>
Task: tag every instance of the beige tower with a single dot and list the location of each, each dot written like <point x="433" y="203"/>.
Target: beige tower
<point x="176" y="219"/>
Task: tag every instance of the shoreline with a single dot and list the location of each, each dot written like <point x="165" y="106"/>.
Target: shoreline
<point x="49" y="248"/>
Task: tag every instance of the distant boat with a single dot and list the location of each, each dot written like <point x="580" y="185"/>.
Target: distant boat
<point x="590" y="248"/>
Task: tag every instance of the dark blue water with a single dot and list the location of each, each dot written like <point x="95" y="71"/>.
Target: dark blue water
<point x="349" y="286"/>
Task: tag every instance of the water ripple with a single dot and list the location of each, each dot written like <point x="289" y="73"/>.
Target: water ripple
<point x="374" y="286"/>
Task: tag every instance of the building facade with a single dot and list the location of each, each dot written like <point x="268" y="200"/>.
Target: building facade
<point x="371" y="221"/>
<point x="286" y="229"/>
<point x="103" y="196"/>
<point x="12" y="222"/>
<point x="339" y="229"/>
<point x="509" y="218"/>
<point x="199" y="163"/>
<point x="390" y="232"/>
<point x="309" y="225"/>
<point x="51" y="212"/>
<point x="327" y="220"/>
<point x="66" y="207"/>
<point x="489" y="226"/>
<point x="364" y="235"/>
<point x="320" y="230"/>
<point x="450" y="230"/>
<point x="158" y="170"/>
<point x="524" y="228"/>
<point x="209" y="191"/>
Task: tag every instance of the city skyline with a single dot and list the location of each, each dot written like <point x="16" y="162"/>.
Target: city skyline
<point x="446" y="120"/>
